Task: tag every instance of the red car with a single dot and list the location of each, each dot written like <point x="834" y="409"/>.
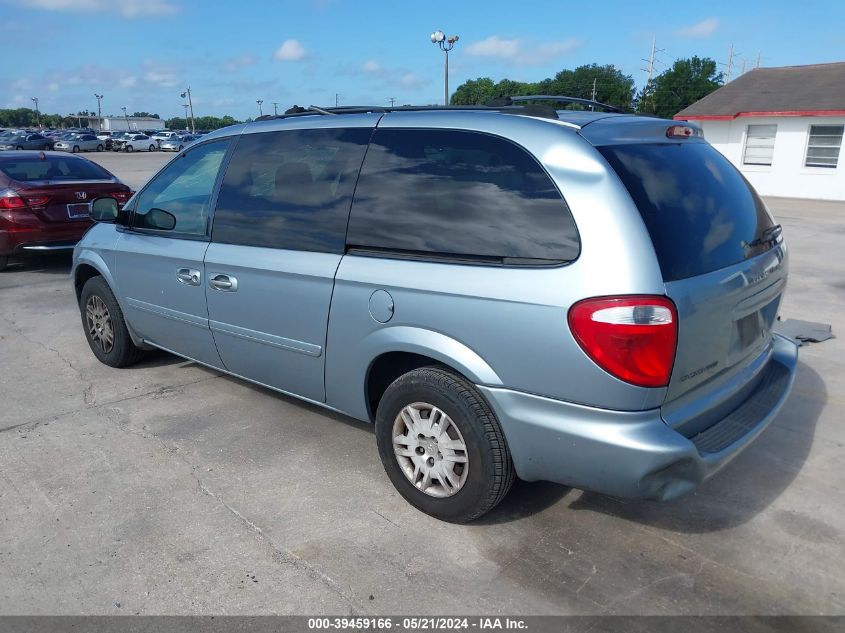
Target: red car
<point x="45" y="198"/>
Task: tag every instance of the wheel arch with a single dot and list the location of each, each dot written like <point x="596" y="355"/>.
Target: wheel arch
<point x="394" y="351"/>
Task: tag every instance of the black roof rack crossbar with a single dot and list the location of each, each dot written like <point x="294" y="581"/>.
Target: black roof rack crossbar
<point x="525" y="110"/>
<point x="558" y="98"/>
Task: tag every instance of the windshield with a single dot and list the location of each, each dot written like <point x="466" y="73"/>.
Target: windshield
<point x="34" y="168"/>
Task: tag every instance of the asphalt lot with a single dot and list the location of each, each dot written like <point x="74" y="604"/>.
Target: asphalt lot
<point x="167" y="488"/>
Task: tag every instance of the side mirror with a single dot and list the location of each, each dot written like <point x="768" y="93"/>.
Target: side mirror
<point x="160" y="219"/>
<point x="104" y="210"/>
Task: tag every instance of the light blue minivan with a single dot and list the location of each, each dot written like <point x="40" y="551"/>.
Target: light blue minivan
<point x="584" y="297"/>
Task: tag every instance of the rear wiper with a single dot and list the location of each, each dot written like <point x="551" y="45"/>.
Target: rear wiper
<point x="769" y="236"/>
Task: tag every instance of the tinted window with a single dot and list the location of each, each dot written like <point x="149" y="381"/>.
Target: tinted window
<point x="183" y="189"/>
<point x="456" y="193"/>
<point x="701" y="213"/>
<point x="52" y="168"/>
<point x="290" y="189"/>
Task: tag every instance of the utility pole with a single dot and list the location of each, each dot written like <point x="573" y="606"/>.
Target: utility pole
<point x="191" y="106"/>
<point x="336" y="100"/>
<point x="99" y="109"/>
<point x="758" y="60"/>
<point x="392" y="101"/>
<point x="729" y="64"/>
<point x="259" y="102"/>
<point x="275" y="108"/>
<point x="185" y="105"/>
<point x="126" y="118"/>
<point x="37" y="115"/>
<point x="593" y="95"/>
<point x="652" y="58"/>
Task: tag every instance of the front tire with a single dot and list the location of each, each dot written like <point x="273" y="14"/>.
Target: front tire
<point x="100" y="148"/>
<point x="46" y="147"/>
<point x="4" y="261"/>
<point x="152" y="148"/>
<point x="19" y="147"/>
<point x="129" y="148"/>
<point x="104" y="326"/>
<point x="441" y="445"/>
<point x="75" y="149"/>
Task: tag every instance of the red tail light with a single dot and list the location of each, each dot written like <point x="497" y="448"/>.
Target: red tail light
<point x="11" y="200"/>
<point x="122" y="196"/>
<point x="631" y="338"/>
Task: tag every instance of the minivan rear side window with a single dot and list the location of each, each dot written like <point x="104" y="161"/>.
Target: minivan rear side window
<point x="459" y="194"/>
<point x="290" y="189"/>
<point x="701" y="213"/>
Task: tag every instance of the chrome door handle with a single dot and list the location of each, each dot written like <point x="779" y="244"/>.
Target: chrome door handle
<point x="223" y="283"/>
<point x="188" y="276"/>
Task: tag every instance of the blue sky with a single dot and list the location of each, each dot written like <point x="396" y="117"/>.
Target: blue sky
<point x="143" y="53"/>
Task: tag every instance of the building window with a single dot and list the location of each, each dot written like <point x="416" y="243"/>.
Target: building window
<point x="823" y="146"/>
<point x="759" y="145"/>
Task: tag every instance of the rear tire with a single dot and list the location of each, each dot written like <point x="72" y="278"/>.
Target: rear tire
<point x="152" y="148"/>
<point x="4" y="261"/>
<point x="19" y="147"/>
<point x="75" y="149"/>
<point x="479" y="475"/>
<point x="46" y="147"/>
<point x="104" y="326"/>
<point x="100" y="148"/>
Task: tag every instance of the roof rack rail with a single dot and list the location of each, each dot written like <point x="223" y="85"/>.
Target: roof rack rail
<point x="506" y="101"/>
<point x="545" y="112"/>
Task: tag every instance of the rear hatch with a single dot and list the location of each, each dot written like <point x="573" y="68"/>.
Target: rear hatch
<point x="720" y="254"/>
<point x="60" y="188"/>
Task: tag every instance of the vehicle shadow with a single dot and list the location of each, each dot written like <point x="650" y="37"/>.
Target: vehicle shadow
<point x="57" y="263"/>
<point x="746" y="486"/>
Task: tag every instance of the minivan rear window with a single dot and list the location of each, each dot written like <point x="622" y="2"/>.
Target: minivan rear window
<point x="52" y="168"/>
<point x="701" y="213"/>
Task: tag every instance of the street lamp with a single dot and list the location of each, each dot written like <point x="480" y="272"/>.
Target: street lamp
<point x="187" y="93"/>
<point x="446" y="44"/>
<point x="185" y="105"/>
<point x="126" y="118"/>
<point x="275" y="108"/>
<point x="37" y="116"/>
<point x="99" y="109"/>
<point x="259" y="102"/>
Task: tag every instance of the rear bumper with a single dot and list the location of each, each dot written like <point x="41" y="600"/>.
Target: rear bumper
<point x="634" y="454"/>
<point x="41" y="239"/>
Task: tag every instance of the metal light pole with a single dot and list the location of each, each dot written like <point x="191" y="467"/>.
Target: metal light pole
<point x="191" y="106"/>
<point x="446" y="44"/>
<point x="275" y="109"/>
<point x="260" y="111"/>
<point x="99" y="109"/>
<point x="37" y="115"/>
<point x="126" y="118"/>
<point x="185" y="105"/>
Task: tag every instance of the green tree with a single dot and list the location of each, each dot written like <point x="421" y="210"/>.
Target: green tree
<point x="612" y="86"/>
<point x="146" y="114"/>
<point x="687" y="81"/>
<point x="473" y="92"/>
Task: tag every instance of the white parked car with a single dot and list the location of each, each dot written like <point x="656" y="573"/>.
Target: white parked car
<point x="82" y="143"/>
<point x="140" y="143"/>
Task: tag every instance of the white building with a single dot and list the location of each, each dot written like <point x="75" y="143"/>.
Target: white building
<point x="781" y="127"/>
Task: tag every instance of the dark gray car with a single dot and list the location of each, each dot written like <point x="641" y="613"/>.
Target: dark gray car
<point x="580" y="297"/>
<point x="31" y="140"/>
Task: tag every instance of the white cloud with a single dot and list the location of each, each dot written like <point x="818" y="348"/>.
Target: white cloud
<point x="411" y="80"/>
<point x="371" y="66"/>
<point x="162" y="79"/>
<point x="128" y="82"/>
<point x="234" y="64"/>
<point x="126" y="8"/>
<point x="53" y="87"/>
<point x="290" y="51"/>
<point x="515" y="51"/>
<point x="705" y="28"/>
